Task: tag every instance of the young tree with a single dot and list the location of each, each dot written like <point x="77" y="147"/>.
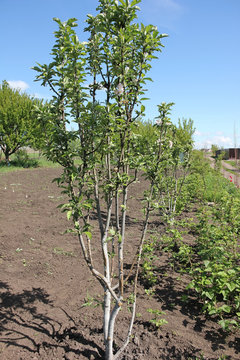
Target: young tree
<point x="172" y="177"/>
<point x="98" y="173"/>
<point x="166" y="156"/>
<point x="16" y="118"/>
<point x="214" y="149"/>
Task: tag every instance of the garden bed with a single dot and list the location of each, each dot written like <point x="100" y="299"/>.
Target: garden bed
<point x="50" y="302"/>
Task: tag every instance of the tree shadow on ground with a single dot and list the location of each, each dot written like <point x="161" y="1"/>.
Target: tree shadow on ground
<point x="22" y="323"/>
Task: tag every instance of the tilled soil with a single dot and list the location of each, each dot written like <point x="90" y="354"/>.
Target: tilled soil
<point x="48" y="296"/>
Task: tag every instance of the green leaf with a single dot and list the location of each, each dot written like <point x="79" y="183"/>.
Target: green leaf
<point x="212" y="312"/>
<point x="225" y="308"/>
<point x="69" y="214"/>
<point x="206" y="263"/>
<point x="209" y="295"/>
<point x="148" y="79"/>
<point x="223" y="324"/>
<point x="76" y="224"/>
<point x="231" y="286"/>
<point x="134" y="2"/>
<point x="88" y="234"/>
<point x="112" y="232"/>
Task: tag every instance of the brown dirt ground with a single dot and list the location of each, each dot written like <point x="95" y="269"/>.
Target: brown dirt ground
<point x="44" y="284"/>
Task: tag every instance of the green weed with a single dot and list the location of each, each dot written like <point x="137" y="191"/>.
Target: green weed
<point x="157" y="321"/>
<point x="60" y="251"/>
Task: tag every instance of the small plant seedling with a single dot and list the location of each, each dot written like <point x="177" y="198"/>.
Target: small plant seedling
<point x="48" y="268"/>
<point x="171" y="305"/>
<point x="184" y="298"/>
<point x="24" y="262"/>
<point x="130" y="301"/>
<point x="157" y="321"/>
<point x="91" y="301"/>
<point x="60" y="251"/>
<point x="149" y="256"/>
<point x="31" y="240"/>
<point x="150" y="292"/>
<point x="88" y="301"/>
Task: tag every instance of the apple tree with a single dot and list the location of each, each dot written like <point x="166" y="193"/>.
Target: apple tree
<point x="16" y="119"/>
<point x="98" y="173"/>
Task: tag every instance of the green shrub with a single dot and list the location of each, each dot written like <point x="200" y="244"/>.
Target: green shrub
<point x="22" y="159"/>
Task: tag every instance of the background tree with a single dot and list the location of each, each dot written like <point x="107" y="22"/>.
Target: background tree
<point x="41" y="124"/>
<point x="16" y="119"/>
<point x="214" y="149"/>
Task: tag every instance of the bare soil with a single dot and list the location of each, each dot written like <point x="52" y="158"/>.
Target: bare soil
<point x="46" y="287"/>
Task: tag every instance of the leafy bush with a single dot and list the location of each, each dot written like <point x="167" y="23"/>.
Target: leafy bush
<point x="22" y="159"/>
<point x="213" y="262"/>
<point x="204" y="183"/>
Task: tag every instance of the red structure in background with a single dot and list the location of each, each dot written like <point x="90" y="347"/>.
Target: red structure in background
<point x="234" y="153"/>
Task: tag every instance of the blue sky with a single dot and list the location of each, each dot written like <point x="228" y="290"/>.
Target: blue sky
<point x="198" y="70"/>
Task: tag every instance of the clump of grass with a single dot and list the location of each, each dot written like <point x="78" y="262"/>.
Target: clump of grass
<point x="60" y="251"/>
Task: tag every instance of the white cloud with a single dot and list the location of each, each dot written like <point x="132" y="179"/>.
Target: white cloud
<point x="219" y="133"/>
<point x="40" y="96"/>
<point x="200" y="133"/>
<point x="168" y="4"/>
<point x="221" y="140"/>
<point x="207" y="141"/>
<point x="197" y="133"/>
<point x="18" y="84"/>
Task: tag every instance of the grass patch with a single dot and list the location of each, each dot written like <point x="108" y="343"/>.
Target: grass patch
<point x="60" y="251"/>
<point x="217" y="185"/>
<point x="233" y="163"/>
<point x="22" y="160"/>
<point x="234" y="172"/>
<point x="43" y="162"/>
<point x="5" y="168"/>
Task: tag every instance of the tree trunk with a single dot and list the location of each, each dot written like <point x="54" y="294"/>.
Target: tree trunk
<point x="109" y="345"/>
<point x="106" y="315"/>
<point x="7" y="158"/>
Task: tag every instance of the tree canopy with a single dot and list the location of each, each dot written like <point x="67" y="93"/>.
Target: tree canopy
<point x="16" y="119"/>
